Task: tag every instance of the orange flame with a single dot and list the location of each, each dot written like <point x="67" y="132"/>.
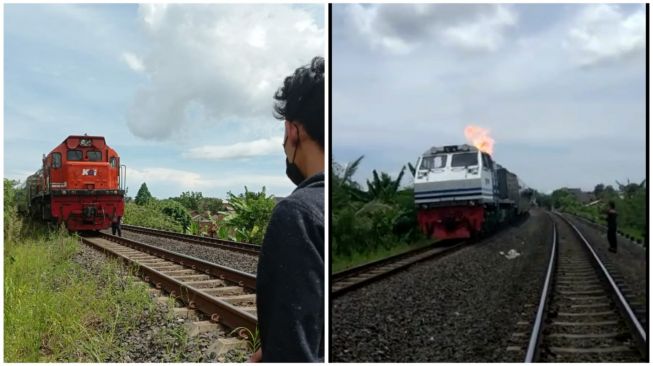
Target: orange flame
<point x="480" y="138"/>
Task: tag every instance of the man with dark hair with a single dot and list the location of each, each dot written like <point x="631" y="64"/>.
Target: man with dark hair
<point x="290" y="276"/>
<point x="611" y="217"/>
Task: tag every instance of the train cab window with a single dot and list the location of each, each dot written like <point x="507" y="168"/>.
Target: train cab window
<point x="94" y="155"/>
<point x="112" y="162"/>
<point x="56" y="160"/>
<point x="433" y="162"/>
<point x="74" y="155"/>
<point x="464" y="159"/>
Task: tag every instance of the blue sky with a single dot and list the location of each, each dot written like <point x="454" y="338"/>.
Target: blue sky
<point x="560" y="87"/>
<point x="182" y="92"/>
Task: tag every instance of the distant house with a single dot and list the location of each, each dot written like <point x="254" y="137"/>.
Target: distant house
<point x="581" y="196"/>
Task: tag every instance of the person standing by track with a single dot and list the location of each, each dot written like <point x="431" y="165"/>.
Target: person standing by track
<point x="115" y="224"/>
<point x="611" y="217"/>
<point x="290" y="275"/>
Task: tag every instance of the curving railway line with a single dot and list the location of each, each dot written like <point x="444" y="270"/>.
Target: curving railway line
<point x="245" y="248"/>
<point x="584" y="314"/>
<point x="225" y="295"/>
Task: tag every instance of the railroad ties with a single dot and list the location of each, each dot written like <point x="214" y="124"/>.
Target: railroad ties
<point x="586" y="317"/>
<point x="225" y="295"/>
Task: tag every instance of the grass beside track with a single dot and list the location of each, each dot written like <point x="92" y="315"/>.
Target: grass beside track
<point x="56" y="310"/>
<point x="343" y="263"/>
<point x="636" y="234"/>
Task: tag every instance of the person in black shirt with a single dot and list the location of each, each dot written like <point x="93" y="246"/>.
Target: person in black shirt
<point x="115" y="224"/>
<point x="611" y="217"/>
<point x="290" y="275"/>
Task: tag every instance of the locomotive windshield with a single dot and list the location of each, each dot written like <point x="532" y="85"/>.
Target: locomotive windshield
<point x="74" y="155"/>
<point x="433" y="162"/>
<point x="464" y="159"/>
<point x="94" y="156"/>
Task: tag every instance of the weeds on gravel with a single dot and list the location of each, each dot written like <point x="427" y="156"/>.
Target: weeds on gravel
<point x="174" y="340"/>
<point x="58" y="310"/>
<point x="253" y="339"/>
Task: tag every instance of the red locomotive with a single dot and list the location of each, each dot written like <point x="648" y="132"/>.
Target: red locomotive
<point x="80" y="184"/>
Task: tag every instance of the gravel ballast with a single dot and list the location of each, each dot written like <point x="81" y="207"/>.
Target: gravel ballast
<point x="158" y="335"/>
<point x="228" y="258"/>
<point x="460" y="308"/>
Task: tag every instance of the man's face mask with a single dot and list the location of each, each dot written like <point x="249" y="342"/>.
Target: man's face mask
<point x="292" y="171"/>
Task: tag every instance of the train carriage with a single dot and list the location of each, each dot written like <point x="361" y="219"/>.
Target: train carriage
<point x="461" y="192"/>
<point x="80" y="184"/>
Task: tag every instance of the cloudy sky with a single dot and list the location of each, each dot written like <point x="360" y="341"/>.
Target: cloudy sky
<point x="183" y="93"/>
<point x="561" y="87"/>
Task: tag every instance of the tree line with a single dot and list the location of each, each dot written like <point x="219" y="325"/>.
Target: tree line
<point x="629" y="198"/>
<point x="245" y="221"/>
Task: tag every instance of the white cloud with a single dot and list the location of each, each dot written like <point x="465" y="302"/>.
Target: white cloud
<point x="223" y="60"/>
<point x="486" y="33"/>
<point x="238" y="150"/>
<point x="402" y="28"/>
<point x="176" y="176"/>
<point x="133" y="61"/>
<point x="187" y="180"/>
<point x="604" y="32"/>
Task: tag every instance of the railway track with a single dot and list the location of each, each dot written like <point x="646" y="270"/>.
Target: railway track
<point x="359" y="276"/>
<point x="583" y="314"/>
<point x="225" y="295"/>
<point x="246" y="248"/>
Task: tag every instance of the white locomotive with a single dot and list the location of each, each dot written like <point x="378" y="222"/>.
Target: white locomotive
<point x="460" y="192"/>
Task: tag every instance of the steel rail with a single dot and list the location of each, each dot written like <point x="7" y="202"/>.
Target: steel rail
<point x="539" y="318"/>
<point x="244" y="279"/>
<point x="393" y="264"/>
<point x="632" y="321"/>
<point x="218" y="310"/>
<point x="363" y="267"/>
<point x="246" y="248"/>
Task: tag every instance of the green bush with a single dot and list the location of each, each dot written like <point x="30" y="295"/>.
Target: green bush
<point x="369" y="224"/>
<point x="150" y="215"/>
<point x="249" y="221"/>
